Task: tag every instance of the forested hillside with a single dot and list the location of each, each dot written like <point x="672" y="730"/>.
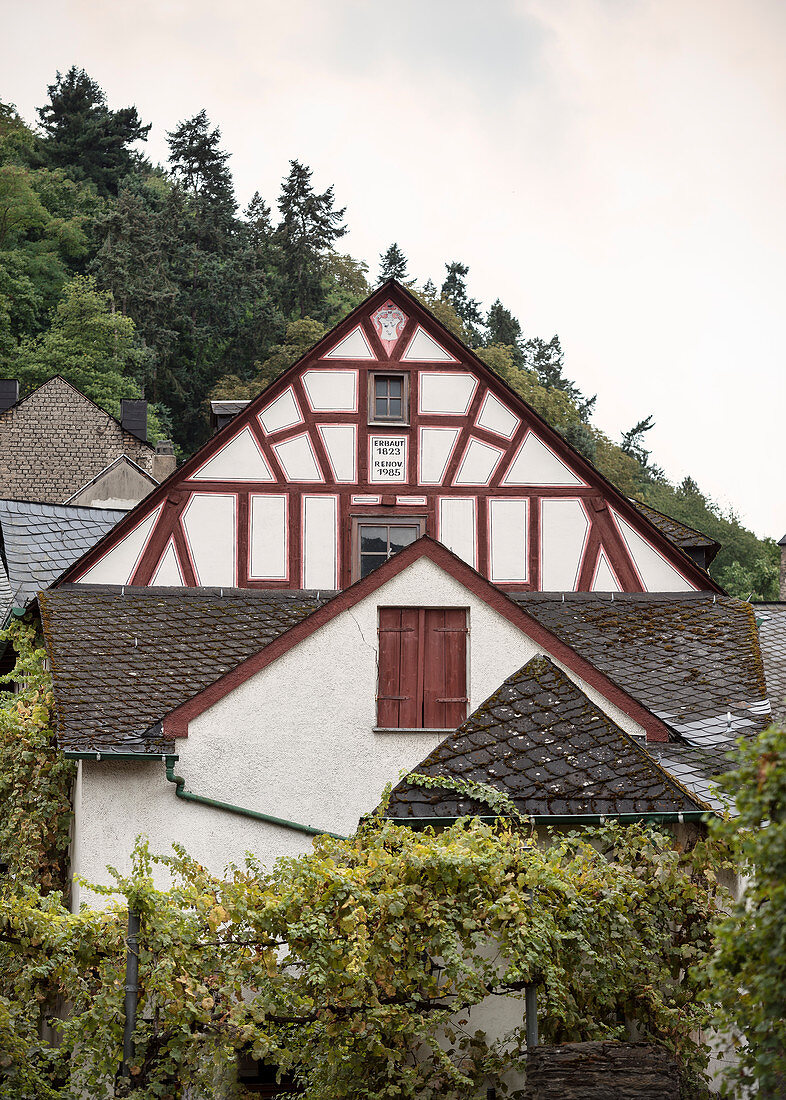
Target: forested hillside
<point x="134" y="279"/>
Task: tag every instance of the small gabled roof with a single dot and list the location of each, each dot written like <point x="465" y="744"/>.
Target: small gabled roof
<point x="40" y="540"/>
<point x="539" y="740"/>
<point x="687" y="538"/>
<point x="121" y="460"/>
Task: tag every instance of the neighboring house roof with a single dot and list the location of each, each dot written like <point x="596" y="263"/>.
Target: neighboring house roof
<point x="771" y="619"/>
<point x="692" y="659"/>
<point x="687" y="538"/>
<point x="39" y="541"/>
<point x="540" y="740"/>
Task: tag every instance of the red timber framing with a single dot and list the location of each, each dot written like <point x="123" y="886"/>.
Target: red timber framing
<point x="176" y="723"/>
<point x="359" y="496"/>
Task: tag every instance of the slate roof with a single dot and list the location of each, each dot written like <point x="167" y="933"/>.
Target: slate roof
<point x="679" y="533"/>
<point x="122" y="658"/>
<point x="541" y="741"/>
<point x="693" y="659"/>
<point x="39" y="541"/>
<point x="771" y="619"/>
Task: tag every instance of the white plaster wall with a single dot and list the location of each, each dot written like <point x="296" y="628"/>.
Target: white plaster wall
<point x="296" y="741"/>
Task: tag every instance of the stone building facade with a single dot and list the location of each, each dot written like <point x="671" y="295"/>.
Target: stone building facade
<point x="56" y="440"/>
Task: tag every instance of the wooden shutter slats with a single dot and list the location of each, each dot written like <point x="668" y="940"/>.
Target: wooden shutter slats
<point x="422" y="668"/>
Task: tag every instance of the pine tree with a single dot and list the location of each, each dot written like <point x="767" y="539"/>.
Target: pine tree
<point x="633" y="440"/>
<point x="84" y="136"/>
<point x="546" y="359"/>
<point x="503" y="328"/>
<point x="392" y="265"/>
<point x="454" y="289"/>
<point x="308" y="229"/>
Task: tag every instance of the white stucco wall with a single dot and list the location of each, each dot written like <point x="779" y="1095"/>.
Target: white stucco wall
<point x="296" y="741"/>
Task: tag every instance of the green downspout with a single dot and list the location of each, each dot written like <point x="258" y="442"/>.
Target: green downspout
<point x="189" y="796"/>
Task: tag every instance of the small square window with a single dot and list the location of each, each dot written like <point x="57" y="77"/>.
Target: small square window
<point x="388" y="398"/>
<point x="375" y="540"/>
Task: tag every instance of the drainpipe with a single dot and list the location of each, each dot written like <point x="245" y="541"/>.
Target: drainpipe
<point x="132" y="990"/>
<point x="228" y="807"/>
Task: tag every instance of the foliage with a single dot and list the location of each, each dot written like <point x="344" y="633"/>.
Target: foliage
<point x="454" y="291"/>
<point x="355" y="967"/>
<point x="85" y="136"/>
<point x="300" y="336"/>
<point x="748" y="969"/>
<point x="392" y="265"/>
<point x="35" y="780"/>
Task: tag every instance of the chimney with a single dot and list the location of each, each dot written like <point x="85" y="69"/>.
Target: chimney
<point x="9" y="393"/>
<point x="782" y="544"/>
<point x="133" y="417"/>
<point x="164" y="461"/>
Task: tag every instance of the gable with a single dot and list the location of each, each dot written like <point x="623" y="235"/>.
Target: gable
<point x="388" y="417"/>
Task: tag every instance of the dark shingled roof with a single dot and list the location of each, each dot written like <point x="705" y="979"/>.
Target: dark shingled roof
<point x="541" y="741"/>
<point x="693" y="659"/>
<point x="123" y="658"/>
<point x="771" y="618"/>
<point x="40" y="541"/>
<point x="687" y="538"/>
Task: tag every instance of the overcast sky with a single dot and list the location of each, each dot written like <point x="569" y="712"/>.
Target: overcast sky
<point x="613" y="170"/>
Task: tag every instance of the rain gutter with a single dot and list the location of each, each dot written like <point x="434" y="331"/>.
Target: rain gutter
<point x="671" y="817"/>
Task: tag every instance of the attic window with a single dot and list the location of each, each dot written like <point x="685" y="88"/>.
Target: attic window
<point x="388" y="398"/>
<point x="375" y="540"/>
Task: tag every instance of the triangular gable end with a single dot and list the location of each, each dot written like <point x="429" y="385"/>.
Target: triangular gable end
<point x="299" y="402"/>
<point x="176" y="723"/>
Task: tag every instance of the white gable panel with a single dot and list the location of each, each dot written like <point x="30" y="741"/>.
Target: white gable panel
<point x="457" y="528"/>
<point x="604" y="579"/>
<point x="209" y="523"/>
<point x="508" y="540"/>
<point x="118" y="565"/>
<point x="423" y="349"/>
<point x="478" y="464"/>
<point x="341" y="447"/>
<point x="268" y="538"/>
<point x="446" y="392"/>
<point x="282" y="413"/>
<point x="536" y="464"/>
<point x="168" y="573"/>
<point x="657" y="575"/>
<point x="436" y="447"/>
<point x="331" y="390"/>
<point x="563" y="536"/>
<point x="238" y="460"/>
<point x="320" y="521"/>
<point x="297" y="459"/>
<point x="496" y="417"/>
<point x="354" y="346"/>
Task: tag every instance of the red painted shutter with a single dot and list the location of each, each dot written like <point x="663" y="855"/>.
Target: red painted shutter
<point x="398" y="696"/>
<point x="445" y="668"/>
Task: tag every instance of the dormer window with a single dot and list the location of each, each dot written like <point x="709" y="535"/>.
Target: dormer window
<point x="388" y="398"/>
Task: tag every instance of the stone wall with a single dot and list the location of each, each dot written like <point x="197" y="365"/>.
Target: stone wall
<point x="602" y="1071"/>
<point x="56" y="440"/>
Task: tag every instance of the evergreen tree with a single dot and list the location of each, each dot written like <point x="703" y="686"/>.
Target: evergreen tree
<point x="200" y="165"/>
<point x="633" y="440"/>
<point x="309" y="227"/>
<point x="85" y="136"/>
<point x="503" y="328"/>
<point x="392" y="265"/>
<point x="546" y="359"/>
<point x="454" y="290"/>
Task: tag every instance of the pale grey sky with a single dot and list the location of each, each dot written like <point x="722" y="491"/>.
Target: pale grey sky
<point x="613" y="170"/>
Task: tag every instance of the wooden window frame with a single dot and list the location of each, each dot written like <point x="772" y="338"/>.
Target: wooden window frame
<point x="404" y="419"/>
<point x="416" y="674"/>
<point x="379" y="521"/>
